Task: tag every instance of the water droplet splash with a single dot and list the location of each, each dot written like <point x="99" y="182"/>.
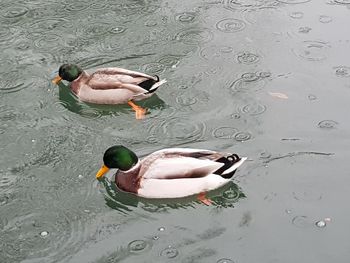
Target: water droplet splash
<point x="321" y="224"/>
<point x="44" y="234"/>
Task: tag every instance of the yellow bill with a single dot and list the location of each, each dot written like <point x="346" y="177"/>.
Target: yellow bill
<point x="104" y="169"/>
<point x="56" y="80"/>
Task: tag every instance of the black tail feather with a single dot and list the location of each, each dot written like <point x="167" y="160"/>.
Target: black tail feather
<point x="228" y="162"/>
<point x="147" y="84"/>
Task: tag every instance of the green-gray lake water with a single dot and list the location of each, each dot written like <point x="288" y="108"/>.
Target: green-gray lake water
<point x="267" y="79"/>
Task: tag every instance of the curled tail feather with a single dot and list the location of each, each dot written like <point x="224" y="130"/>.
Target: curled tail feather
<point x="231" y="163"/>
<point x="151" y="85"/>
<point x="156" y="85"/>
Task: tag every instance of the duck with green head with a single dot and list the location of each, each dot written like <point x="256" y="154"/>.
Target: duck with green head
<point x="171" y="172"/>
<point x="110" y="85"/>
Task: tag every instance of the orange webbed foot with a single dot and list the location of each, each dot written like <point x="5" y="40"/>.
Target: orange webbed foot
<point x="202" y="198"/>
<point x="139" y="111"/>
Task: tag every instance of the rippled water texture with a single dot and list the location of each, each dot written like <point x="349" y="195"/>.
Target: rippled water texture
<point x="267" y="79"/>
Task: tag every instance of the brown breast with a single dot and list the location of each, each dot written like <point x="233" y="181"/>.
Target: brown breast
<point x="129" y="182"/>
<point x="76" y="84"/>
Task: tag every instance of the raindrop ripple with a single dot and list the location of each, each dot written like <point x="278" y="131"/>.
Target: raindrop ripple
<point x="138" y="246"/>
<point x="327" y="124"/>
<point x="169" y="252"/>
<point x="230" y="25"/>
<point x="194" y="36"/>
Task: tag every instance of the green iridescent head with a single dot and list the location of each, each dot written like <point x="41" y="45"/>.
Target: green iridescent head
<point x="120" y="157"/>
<point x="69" y="72"/>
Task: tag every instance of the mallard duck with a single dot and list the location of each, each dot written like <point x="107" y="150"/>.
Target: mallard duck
<point x="170" y="173"/>
<point x="110" y="85"/>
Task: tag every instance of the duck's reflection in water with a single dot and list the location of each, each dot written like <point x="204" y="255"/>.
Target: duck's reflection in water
<point x="225" y="196"/>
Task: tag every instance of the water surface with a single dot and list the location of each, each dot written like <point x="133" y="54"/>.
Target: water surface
<point x="267" y="79"/>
